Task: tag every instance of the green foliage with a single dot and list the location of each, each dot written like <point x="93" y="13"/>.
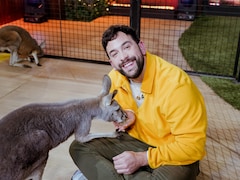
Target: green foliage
<point x="210" y="44"/>
<point x="85" y="10"/>
<point x="226" y="89"/>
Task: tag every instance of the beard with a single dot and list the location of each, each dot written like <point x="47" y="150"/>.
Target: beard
<point x="138" y="71"/>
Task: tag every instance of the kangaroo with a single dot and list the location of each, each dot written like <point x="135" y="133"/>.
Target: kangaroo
<point x="28" y="134"/>
<point x="19" y="43"/>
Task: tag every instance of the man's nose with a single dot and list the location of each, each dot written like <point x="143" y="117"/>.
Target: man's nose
<point x="123" y="56"/>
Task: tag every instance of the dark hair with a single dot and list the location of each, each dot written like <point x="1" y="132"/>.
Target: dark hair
<point x="112" y="31"/>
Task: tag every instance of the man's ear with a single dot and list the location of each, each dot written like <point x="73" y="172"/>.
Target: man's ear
<point x="142" y="47"/>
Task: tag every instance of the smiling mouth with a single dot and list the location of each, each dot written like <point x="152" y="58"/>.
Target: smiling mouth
<point x="128" y="63"/>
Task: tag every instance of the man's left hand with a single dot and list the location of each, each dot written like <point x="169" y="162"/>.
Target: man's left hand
<point x="128" y="162"/>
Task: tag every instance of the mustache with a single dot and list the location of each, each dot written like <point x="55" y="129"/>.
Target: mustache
<point x="126" y="61"/>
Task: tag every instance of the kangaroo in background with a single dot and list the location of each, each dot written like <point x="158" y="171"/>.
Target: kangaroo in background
<point x="28" y="134"/>
<point x="19" y="43"/>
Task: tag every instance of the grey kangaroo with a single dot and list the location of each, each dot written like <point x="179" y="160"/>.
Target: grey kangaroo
<point x="19" y="43"/>
<point x="28" y="134"/>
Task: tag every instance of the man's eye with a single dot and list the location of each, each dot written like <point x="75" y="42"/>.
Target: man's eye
<point x="127" y="47"/>
<point x="114" y="54"/>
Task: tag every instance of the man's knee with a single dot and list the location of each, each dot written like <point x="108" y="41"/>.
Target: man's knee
<point x="75" y="149"/>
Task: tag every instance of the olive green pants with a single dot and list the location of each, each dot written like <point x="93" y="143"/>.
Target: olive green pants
<point x="94" y="159"/>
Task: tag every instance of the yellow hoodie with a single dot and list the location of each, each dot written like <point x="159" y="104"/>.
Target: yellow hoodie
<point x="172" y="117"/>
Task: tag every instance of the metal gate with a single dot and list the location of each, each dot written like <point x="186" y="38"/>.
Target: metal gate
<point x="73" y="29"/>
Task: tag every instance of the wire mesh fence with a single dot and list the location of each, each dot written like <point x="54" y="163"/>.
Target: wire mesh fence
<point x="73" y="29"/>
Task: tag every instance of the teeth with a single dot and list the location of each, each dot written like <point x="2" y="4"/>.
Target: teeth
<point x="127" y="64"/>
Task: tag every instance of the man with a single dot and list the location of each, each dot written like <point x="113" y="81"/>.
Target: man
<point x="165" y="134"/>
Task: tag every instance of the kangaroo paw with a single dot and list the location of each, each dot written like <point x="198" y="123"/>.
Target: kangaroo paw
<point x="20" y="65"/>
<point x="118" y="133"/>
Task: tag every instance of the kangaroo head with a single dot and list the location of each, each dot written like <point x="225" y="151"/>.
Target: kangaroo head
<point x="40" y="51"/>
<point x="111" y="110"/>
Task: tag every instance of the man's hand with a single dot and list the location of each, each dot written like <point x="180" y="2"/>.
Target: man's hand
<point x="129" y="122"/>
<point x="128" y="162"/>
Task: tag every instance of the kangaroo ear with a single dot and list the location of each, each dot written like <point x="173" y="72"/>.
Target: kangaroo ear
<point x="106" y="85"/>
<point x="42" y="44"/>
<point x="115" y="106"/>
<point x="114" y="93"/>
<point x="107" y="100"/>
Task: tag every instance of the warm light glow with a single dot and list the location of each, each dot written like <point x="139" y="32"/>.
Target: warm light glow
<point x="224" y="2"/>
<point x="146" y="6"/>
<point x="214" y="4"/>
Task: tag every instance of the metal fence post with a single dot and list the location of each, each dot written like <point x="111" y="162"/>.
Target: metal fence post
<point x="237" y="61"/>
<point x="238" y="78"/>
<point x="135" y="15"/>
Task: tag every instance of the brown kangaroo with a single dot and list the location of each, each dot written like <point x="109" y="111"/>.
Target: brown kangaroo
<point x="19" y="43"/>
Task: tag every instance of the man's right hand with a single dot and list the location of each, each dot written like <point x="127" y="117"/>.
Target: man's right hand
<point x="122" y="127"/>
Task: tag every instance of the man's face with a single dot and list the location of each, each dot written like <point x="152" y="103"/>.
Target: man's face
<point x="125" y="55"/>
